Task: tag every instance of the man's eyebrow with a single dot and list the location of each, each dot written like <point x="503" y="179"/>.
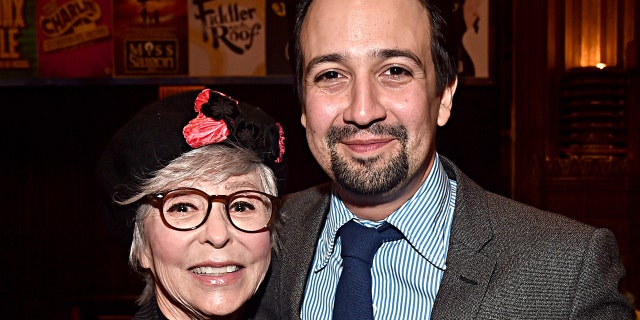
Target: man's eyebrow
<point x="392" y="53"/>
<point x="382" y="53"/>
<point x="333" y="57"/>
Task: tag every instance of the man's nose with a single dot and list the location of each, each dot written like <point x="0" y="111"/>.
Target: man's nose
<point x="365" y="106"/>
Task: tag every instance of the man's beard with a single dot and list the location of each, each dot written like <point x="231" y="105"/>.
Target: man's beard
<point x="366" y="176"/>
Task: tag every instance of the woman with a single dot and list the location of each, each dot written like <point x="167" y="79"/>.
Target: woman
<point x="202" y="188"/>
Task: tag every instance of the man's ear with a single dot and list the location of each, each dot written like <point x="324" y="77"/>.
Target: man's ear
<point x="446" y="103"/>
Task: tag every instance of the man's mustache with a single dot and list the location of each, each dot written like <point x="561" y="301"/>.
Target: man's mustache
<point x="337" y="133"/>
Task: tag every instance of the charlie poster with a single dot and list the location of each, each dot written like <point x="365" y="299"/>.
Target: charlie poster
<point x="227" y="38"/>
<point x="472" y="17"/>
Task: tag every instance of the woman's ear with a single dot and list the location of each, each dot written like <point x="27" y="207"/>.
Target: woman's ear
<point x="145" y="257"/>
<point x="141" y="250"/>
<point x="446" y="103"/>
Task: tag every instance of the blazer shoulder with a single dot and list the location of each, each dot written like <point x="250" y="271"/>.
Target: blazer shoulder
<point x="306" y="202"/>
<point x="482" y="216"/>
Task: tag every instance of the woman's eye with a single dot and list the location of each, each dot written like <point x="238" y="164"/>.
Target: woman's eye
<point x="181" y="207"/>
<point x="241" y="206"/>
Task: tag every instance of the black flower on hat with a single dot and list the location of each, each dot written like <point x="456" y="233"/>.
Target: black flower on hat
<point x="218" y="106"/>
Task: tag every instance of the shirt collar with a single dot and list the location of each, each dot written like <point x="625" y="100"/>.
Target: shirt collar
<point x="424" y="219"/>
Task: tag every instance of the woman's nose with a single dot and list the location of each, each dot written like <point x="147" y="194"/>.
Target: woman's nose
<point x="217" y="227"/>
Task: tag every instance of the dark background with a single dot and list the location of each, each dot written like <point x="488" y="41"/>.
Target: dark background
<point x="61" y="261"/>
<point x="57" y="250"/>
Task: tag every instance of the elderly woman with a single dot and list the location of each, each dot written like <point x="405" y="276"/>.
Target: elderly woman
<point x="196" y="170"/>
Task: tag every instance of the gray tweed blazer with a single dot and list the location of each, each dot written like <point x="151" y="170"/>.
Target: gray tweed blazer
<point x="506" y="260"/>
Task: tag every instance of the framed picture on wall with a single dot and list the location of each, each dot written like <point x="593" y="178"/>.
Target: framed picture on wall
<point x="473" y="25"/>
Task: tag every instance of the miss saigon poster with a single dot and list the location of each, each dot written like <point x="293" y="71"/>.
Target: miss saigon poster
<point x="150" y="37"/>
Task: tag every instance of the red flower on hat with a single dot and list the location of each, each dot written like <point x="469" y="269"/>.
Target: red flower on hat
<point x="280" y="143"/>
<point x="202" y="98"/>
<point x="203" y="130"/>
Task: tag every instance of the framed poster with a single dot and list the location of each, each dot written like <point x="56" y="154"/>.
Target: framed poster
<point x="18" y="42"/>
<point x="472" y="19"/>
<point x="150" y="37"/>
<point x="74" y="38"/>
<point x="227" y="38"/>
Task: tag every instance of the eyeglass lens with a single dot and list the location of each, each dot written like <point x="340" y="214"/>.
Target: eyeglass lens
<point x="187" y="209"/>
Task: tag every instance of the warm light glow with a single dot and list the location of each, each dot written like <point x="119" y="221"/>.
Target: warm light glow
<point x="591" y="32"/>
<point x="601" y="65"/>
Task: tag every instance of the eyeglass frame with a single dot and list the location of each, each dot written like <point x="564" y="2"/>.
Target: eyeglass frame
<point x="157" y="200"/>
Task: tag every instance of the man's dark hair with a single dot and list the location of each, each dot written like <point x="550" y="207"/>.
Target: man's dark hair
<point x="443" y="40"/>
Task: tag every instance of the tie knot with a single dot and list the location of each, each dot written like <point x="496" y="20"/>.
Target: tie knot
<point x="362" y="242"/>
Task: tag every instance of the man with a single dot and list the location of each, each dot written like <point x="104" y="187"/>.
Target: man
<point x="375" y="79"/>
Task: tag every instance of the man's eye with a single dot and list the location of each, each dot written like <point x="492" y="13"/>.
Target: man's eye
<point x="397" y="71"/>
<point x="327" y="76"/>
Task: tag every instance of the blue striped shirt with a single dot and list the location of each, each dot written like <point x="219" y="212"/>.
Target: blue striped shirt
<point x="406" y="273"/>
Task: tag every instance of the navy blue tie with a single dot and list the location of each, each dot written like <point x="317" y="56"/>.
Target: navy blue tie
<point x="359" y="245"/>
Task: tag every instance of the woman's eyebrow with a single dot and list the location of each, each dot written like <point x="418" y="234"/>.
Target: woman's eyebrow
<point x="235" y="185"/>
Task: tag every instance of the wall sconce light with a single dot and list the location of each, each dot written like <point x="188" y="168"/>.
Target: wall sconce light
<point x="596" y="32"/>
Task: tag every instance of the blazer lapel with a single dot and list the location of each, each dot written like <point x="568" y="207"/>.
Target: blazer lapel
<point x="470" y="259"/>
<point x="300" y="242"/>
